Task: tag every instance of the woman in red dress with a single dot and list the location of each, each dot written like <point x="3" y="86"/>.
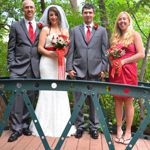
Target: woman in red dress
<point x="126" y="49"/>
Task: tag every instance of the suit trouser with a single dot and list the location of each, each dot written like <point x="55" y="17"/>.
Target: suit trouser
<point x="93" y="120"/>
<point x="19" y="114"/>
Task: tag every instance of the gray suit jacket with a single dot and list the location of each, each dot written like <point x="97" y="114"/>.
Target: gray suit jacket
<point x="21" y="51"/>
<point x="87" y="58"/>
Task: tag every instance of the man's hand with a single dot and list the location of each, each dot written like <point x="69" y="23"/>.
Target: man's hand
<point x="72" y="73"/>
<point x="101" y="75"/>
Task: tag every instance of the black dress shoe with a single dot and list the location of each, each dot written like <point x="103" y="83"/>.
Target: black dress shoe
<point x="94" y="134"/>
<point x="14" y="136"/>
<point x="27" y="132"/>
<point x="79" y="133"/>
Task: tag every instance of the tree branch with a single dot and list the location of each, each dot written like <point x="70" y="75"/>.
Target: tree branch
<point x="136" y="20"/>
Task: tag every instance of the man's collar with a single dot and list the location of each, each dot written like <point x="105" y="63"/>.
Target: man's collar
<point x="26" y="21"/>
<point x="91" y="24"/>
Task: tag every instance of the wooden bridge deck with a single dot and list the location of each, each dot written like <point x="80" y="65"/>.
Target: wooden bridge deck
<point x="71" y="143"/>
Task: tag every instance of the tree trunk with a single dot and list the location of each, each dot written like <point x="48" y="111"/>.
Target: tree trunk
<point x="42" y="5"/>
<point x="143" y="67"/>
<point x="74" y="4"/>
<point x="103" y="16"/>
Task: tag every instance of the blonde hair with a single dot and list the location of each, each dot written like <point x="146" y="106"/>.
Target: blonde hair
<point x="128" y="36"/>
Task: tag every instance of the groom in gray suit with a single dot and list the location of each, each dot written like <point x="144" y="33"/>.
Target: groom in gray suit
<point x="23" y="62"/>
<point x="86" y="60"/>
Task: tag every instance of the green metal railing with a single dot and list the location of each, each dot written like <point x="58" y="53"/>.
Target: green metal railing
<point x="91" y="88"/>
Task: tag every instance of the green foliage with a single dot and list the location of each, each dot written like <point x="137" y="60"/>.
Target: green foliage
<point x="3" y="65"/>
<point x="147" y="71"/>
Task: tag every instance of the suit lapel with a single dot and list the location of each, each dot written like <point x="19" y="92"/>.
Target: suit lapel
<point x="37" y="31"/>
<point x="22" y="22"/>
<point x="92" y="34"/>
<point x="83" y="32"/>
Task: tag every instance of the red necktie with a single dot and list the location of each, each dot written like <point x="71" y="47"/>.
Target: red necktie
<point x="88" y="33"/>
<point x="31" y="32"/>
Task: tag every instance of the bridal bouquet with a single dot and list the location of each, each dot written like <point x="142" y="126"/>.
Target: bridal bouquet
<point x="60" y="41"/>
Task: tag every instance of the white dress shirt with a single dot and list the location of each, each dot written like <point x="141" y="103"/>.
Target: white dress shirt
<point x="32" y="22"/>
<point x="85" y="27"/>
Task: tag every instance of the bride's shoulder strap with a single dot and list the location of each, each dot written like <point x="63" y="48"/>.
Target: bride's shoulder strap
<point x="49" y="30"/>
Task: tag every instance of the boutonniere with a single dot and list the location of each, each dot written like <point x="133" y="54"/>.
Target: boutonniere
<point x="95" y="26"/>
<point x="40" y="25"/>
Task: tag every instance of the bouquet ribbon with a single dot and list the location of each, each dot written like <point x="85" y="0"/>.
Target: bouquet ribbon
<point x="116" y="68"/>
<point x="61" y="64"/>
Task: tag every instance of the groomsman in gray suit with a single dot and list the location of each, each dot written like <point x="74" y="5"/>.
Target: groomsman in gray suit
<point x="86" y="60"/>
<point x="23" y="62"/>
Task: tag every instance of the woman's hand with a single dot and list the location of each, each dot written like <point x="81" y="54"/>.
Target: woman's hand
<point x="122" y="62"/>
<point x="53" y="54"/>
<point x="117" y="62"/>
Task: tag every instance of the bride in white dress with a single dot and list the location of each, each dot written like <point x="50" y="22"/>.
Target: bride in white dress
<point x="53" y="109"/>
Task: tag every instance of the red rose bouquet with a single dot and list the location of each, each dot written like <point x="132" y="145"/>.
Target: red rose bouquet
<point x="60" y="42"/>
<point x="114" y="54"/>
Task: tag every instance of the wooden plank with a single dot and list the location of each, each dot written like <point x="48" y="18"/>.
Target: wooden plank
<point x="51" y="141"/>
<point x="96" y="144"/>
<point x="141" y="145"/>
<point x="147" y="143"/>
<point x="54" y="143"/>
<point x="22" y="142"/>
<point x="104" y="143"/>
<point x="34" y="144"/>
<point x="4" y="138"/>
<point x="84" y="142"/>
<point x="135" y="147"/>
<point x="12" y="145"/>
<point x="63" y="146"/>
<point x="71" y="142"/>
<point x="5" y="134"/>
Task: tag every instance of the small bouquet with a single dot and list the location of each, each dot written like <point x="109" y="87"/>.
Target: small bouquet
<point x="115" y="53"/>
<point x="60" y="41"/>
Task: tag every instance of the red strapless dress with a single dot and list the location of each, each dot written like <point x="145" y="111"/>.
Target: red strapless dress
<point x="128" y="73"/>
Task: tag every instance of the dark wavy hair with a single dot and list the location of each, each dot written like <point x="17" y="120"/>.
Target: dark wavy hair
<point x="88" y="6"/>
<point x="55" y="10"/>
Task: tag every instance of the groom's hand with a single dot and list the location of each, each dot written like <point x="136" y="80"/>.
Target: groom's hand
<point x="101" y="75"/>
<point x="72" y="73"/>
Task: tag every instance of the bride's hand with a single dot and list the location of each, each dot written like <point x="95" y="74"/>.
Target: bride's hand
<point x="66" y="50"/>
<point x="53" y="54"/>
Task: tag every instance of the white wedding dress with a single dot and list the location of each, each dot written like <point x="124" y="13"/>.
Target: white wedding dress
<point x="52" y="109"/>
